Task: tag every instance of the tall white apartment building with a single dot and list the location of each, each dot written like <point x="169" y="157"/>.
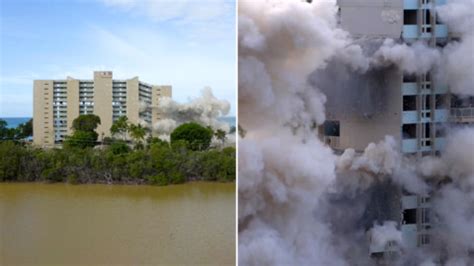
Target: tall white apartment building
<point x="58" y="102"/>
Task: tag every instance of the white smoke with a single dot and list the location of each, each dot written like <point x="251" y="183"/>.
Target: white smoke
<point x="417" y="58"/>
<point x="381" y="235"/>
<point x="459" y="55"/>
<point x="290" y="183"/>
<point x="284" y="170"/>
<point x="204" y="110"/>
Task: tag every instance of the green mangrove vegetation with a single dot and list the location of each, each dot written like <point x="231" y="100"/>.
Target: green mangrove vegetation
<point x="130" y="156"/>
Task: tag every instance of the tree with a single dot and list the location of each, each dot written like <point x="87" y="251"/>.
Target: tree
<point x="82" y="139"/>
<point x="10" y="155"/>
<point x="86" y="123"/>
<point x="7" y="133"/>
<point x="84" y="132"/>
<point x="120" y="127"/>
<point x="196" y="136"/>
<point x="137" y="132"/>
<point x="220" y="135"/>
<point x="3" y="129"/>
<point x="25" y="130"/>
<point x="119" y="147"/>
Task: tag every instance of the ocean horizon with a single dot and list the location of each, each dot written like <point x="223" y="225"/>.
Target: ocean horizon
<point x="13" y="122"/>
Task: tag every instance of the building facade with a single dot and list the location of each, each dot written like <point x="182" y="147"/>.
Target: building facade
<point x="414" y="109"/>
<point x="56" y="103"/>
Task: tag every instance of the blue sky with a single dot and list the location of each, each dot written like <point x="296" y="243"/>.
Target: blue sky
<point x="189" y="44"/>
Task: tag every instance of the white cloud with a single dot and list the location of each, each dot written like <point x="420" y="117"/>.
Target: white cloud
<point x="181" y="10"/>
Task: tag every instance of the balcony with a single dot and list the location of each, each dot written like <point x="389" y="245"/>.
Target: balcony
<point x="441" y="89"/>
<point x="462" y="115"/>
<point x="409" y="145"/>
<point x="409" y="235"/>
<point x="413" y="4"/>
<point x="411" y="32"/>
<point x="441" y="115"/>
<point x="410" y="4"/>
<point x="409" y="117"/>
<point x="409" y="88"/>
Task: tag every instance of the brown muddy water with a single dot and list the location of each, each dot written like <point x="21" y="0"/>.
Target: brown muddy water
<point x="60" y="224"/>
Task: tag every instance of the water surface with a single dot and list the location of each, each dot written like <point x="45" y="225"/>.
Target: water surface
<point x="60" y="224"/>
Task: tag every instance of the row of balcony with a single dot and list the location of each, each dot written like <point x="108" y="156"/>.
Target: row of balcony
<point x="411" y="145"/>
<point x="462" y="115"/>
<point x="413" y="4"/>
<point x="411" y="117"/>
<point x="411" y="32"/>
<point x="410" y="88"/>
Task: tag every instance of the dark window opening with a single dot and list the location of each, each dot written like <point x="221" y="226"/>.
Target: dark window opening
<point x="377" y="255"/>
<point x="427" y="127"/>
<point x="427" y="105"/>
<point x="409" y="216"/>
<point x="409" y="103"/>
<point x="409" y="131"/>
<point x="409" y="78"/>
<point x="461" y="102"/>
<point x="332" y="128"/>
<point x="428" y="17"/>
<point x="410" y="17"/>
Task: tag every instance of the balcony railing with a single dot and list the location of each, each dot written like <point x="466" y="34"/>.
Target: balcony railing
<point x="465" y="114"/>
<point x="411" y="32"/>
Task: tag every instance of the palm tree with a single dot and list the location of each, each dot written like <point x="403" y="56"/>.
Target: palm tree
<point x="137" y="132"/>
<point x="120" y="127"/>
<point x="220" y="135"/>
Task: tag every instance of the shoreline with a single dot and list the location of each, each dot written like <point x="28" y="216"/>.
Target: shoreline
<point x="144" y="183"/>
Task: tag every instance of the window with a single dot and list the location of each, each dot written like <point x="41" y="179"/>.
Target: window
<point x="409" y="131"/>
<point x="409" y="216"/>
<point x="409" y="103"/>
<point x="427" y="129"/>
<point x="427" y="101"/>
<point x="410" y="17"/>
<point x="332" y="128"/>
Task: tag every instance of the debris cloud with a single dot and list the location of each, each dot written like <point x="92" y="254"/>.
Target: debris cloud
<point x="293" y="189"/>
<point x="205" y="110"/>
